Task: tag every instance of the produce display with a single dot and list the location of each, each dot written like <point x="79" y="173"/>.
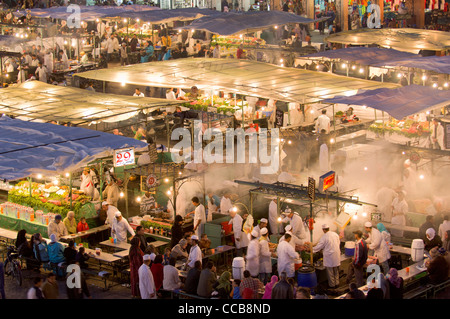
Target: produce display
<point x="236" y="41"/>
<point x="408" y="128"/>
<point x="47" y="197"/>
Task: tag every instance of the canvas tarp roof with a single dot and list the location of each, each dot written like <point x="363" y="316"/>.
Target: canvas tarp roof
<point x="36" y="100"/>
<point x="381" y="57"/>
<point x="400" y="102"/>
<point x="229" y="23"/>
<point x="30" y="148"/>
<point x="403" y="39"/>
<point x="237" y="76"/>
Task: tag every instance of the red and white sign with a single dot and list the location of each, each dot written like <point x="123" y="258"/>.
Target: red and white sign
<point x="152" y="181"/>
<point x="124" y="156"/>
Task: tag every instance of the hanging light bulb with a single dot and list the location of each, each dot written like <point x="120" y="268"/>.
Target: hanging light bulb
<point x="361" y="70"/>
<point x="39" y="176"/>
<point x="67" y="174"/>
<point x="435" y="85"/>
<point x="424" y="77"/>
<point x="353" y="67"/>
<point x="166" y="180"/>
<point x="169" y="193"/>
<point x="399" y="75"/>
<point x="344" y="65"/>
<point x="121" y="194"/>
<point x="138" y="199"/>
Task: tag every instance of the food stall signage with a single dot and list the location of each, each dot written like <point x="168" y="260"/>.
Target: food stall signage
<point x="326" y="181"/>
<point x="124" y="156"/>
<point x="152" y="181"/>
<point x="311" y="188"/>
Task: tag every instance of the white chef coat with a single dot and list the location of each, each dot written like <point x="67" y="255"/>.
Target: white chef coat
<point x="297" y="226"/>
<point x="139" y="95"/>
<point x="237" y="232"/>
<point x="171" y="279"/>
<point x="399" y="207"/>
<point x="42" y="73"/>
<point x="438" y="135"/>
<point x="252" y="257"/>
<point x="111" y="214"/>
<point x="323" y="123"/>
<point x="48" y="62"/>
<point x="376" y="242"/>
<point x="286" y="258"/>
<point x="225" y="205"/>
<point x="194" y="255"/>
<point x="443" y="229"/>
<point x="111" y="45"/>
<point x="273" y="216"/>
<point x="87" y="186"/>
<point x="65" y="61"/>
<point x="294" y="240"/>
<point x="146" y="282"/>
<point x="265" y="263"/>
<point x="199" y="215"/>
<point x="330" y="244"/>
<point x="171" y="95"/>
<point x="121" y="229"/>
<point x="385" y="197"/>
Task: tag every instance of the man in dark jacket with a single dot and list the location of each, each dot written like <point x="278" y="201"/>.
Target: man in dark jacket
<point x="429" y="223"/>
<point x="282" y="289"/>
<point x="207" y="280"/>
<point x="192" y="278"/>
<point x="359" y="259"/>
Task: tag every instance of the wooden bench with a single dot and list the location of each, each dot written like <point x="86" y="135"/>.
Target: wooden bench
<point x="422" y="292"/>
<point x="98" y="275"/>
<point x="440" y="287"/>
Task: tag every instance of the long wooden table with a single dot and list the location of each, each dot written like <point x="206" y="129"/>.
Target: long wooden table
<point x="88" y="232"/>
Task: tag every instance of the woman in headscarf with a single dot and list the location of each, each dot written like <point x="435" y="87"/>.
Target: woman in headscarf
<point x="136" y="260"/>
<point x="269" y="286"/>
<point x="395" y="284"/>
<point x="224" y="285"/>
<point x="21" y="238"/>
<point x="432" y="240"/>
<point x="177" y="231"/>
<point x="446" y="242"/>
<point x="70" y="222"/>
<point x="157" y="270"/>
<point x="384" y="233"/>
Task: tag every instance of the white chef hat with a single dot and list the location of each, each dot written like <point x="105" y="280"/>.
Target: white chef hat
<point x="146" y="257"/>
<point x="254" y="233"/>
<point x="264" y="231"/>
<point x="105" y="203"/>
<point x="118" y="214"/>
<point x="263" y="220"/>
<point x="325" y="226"/>
<point x="368" y="224"/>
<point x="194" y="237"/>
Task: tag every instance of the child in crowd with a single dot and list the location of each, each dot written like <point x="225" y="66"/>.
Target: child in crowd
<point x="235" y="292"/>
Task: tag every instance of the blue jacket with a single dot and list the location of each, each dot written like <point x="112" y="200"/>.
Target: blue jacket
<point x="40" y="252"/>
<point x="56" y="253"/>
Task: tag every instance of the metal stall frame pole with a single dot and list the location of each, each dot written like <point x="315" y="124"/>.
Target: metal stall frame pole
<point x="70" y="189"/>
<point x="101" y="181"/>
<point x="311" y="231"/>
<point x="126" y="193"/>
<point x="30" y="181"/>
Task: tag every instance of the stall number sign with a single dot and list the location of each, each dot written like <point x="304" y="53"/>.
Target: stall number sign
<point x="152" y="181"/>
<point x="326" y="181"/>
<point x="311" y="188"/>
<point x="124" y="156"/>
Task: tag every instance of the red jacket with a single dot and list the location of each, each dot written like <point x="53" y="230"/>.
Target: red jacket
<point x="82" y="227"/>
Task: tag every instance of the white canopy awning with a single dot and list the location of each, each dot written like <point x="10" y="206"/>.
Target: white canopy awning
<point x="38" y="101"/>
<point x="237" y="76"/>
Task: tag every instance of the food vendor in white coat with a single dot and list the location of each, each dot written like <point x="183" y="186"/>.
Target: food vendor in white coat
<point x="240" y="237"/>
<point x="437" y="135"/>
<point x="273" y="217"/>
<point x="329" y="243"/>
<point x="262" y="224"/>
<point x="286" y="257"/>
<point x="265" y="263"/>
<point x="110" y="212"/>
<point x="225" y="204"/>
<point x="146" y="281"/>
<point x="87" y="186"/>
<point x="120" y="228"/>
<point x="294" y="240"/>
<point x="294" y="219"/>
<point x="199" y="216"/>
<point x="252" y="256"/>
<point x="399" y="211"/>
<point x="380" y="247"/>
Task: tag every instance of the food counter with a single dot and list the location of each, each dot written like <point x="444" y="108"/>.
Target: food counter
<point x="401" y="132"/>
<point x="47" y="201"/>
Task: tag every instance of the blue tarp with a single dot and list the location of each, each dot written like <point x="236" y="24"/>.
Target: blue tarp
<point x="438" y="64"/>
<point x="29" y="147"/>
<point x="398" y="103"/>
<point x="229" y="23"/>
<point x="364" y="56"/>
<point x="380" y="57"/>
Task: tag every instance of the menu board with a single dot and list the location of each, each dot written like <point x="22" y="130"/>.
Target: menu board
<point x="279" y="117"/>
